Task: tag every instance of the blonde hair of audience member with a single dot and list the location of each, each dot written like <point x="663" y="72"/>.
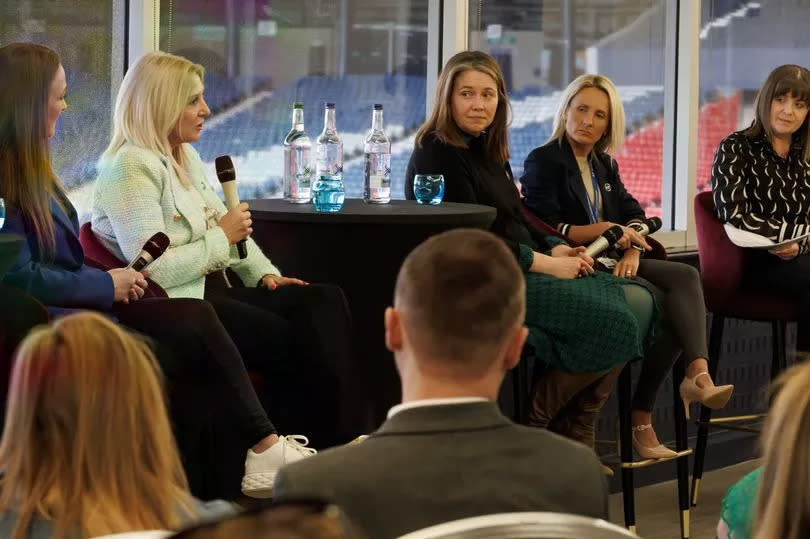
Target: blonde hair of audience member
<point x="441" y="123"/>
<point x="783" y="497"/>
<point x="150" y="103"/>
<point x="457" y="319"/>
<point x="87" y="443"/>
<point x="786" y="79"/>
<point x="30" y="90"/>
<point x="613" y="139"/>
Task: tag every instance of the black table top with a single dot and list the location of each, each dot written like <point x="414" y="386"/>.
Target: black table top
<point x="357" y="211"/>
<point x="10" y="245"/>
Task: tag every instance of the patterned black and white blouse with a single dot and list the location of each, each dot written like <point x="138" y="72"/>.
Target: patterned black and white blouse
<point x="755" y="189"/>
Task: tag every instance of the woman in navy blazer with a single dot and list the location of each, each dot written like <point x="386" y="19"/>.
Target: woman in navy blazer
<point x="194" y="348"/>
<point x="573" y="184"/>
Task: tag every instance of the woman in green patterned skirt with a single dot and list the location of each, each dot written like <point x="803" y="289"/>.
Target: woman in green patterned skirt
<point x="584" y="325"/>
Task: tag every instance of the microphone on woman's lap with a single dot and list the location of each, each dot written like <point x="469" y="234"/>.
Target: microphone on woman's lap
<point x="152" y="249"/>
<point x="227" y="178"/>
<point x="605" y="241"/>
<point x="647" y="226"/>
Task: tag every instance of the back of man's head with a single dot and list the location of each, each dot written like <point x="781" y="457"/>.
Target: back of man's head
<point x="461" y="296"/>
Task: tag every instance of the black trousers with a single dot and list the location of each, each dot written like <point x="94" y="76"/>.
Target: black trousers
<point x="679" y="295"/>
<point x="768" y="273"/>
<point x="216" y="414"/>
<point x="299" y="339"/>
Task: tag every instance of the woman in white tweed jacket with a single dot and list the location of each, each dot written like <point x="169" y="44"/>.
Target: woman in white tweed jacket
<point x="151" y="180"/>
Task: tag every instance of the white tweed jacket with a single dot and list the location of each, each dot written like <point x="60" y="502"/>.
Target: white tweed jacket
<point x="137" y="194"/>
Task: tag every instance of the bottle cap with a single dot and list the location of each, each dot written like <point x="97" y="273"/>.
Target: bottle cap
<point x="330" y="105"/>
<point x="377" y="106"/>
<point x="298" y="106"/>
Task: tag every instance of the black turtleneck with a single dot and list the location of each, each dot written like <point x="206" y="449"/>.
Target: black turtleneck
<point x="470" y="178"/>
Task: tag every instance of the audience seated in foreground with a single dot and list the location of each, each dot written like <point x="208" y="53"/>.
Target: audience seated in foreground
<point x="774" y="500"/>
<point x="87" y="449"/>
<point x="293" y="519"/>
<point x="447" y="452"/>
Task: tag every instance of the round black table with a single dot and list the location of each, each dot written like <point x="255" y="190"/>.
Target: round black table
<point x="360" y="249"/>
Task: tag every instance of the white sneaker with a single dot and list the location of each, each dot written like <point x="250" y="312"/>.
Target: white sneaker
<point x="261" y="468"/>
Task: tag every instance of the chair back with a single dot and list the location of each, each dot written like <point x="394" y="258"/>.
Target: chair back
<point x="523" y="525"/>
<point x="98" y="256"/>
<point x="721" y="262"/>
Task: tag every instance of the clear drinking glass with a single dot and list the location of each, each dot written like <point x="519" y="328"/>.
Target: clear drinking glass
<point x="428" y="188"/>
<point x="2" y="213"/>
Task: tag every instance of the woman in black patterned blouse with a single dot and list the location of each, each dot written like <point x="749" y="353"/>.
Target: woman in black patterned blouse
<point x="761" y="183"/>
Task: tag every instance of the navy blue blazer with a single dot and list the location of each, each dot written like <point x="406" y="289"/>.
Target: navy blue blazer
<point x="64" y="281"/>
<point x="552" y="188"/>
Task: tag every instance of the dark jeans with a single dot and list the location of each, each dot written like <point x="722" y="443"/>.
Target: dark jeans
<point x="299" y="338"/>
<point x="679" y="294"/>
<point x="768" y="273"/>
<point x="192" y="342"/>
<point x="216" y="414"/>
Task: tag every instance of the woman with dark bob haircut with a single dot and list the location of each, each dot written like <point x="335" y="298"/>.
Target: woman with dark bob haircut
<point x="761" y="184"/>
<point x="584" y="325"/>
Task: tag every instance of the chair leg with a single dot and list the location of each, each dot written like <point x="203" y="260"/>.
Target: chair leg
<point x="779" y="358"/>
<point x="681" y="444"/>
<point x="625" y="434"/>
<point x="715" y="342"/>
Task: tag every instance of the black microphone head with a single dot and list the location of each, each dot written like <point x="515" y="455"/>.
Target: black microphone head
<point x="157" y="245"/>
<point x="613" y="234"/>
<point x="225" y="170"/>
<point x="653" y="224"/>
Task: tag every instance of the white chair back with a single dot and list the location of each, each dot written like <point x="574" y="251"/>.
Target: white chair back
<point x="528" y="525"/>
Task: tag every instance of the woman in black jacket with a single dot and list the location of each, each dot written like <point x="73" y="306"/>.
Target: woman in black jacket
<point x="573" y="184"/>
<point x="584" y="328"/>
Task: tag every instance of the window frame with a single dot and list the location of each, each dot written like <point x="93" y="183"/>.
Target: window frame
<point x="448" y="33"/>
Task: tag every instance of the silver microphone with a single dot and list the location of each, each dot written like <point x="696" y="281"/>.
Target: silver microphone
<point x="604" y="242"/>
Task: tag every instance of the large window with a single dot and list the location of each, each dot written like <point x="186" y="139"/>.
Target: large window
<point x="740" y="43"/>
<point x="81" y="31"/>
<point x="262" y="56"/>
<point x="543" y="45"/>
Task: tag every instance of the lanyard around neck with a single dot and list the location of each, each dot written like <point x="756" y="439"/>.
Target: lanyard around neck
<point x="593" y="205"/>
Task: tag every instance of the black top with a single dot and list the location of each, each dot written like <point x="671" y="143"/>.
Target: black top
<point x="553" y="188"/>
<point x="357" y="211"/>
<point x="471" y="179"/>
<point x="755" y="189"/>
<point x="10" y="247"/>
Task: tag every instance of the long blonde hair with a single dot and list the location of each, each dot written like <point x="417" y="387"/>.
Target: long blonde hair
<point x="150" y="102"/>
<point x="783" y="500"/>
<point x="87" y="443"/>
<point x="27" y="180"/>
<point x="441" y="123"/>
<point x="613" y="140"/>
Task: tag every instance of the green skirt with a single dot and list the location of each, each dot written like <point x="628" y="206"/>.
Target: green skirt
<point x="580" y="325"/>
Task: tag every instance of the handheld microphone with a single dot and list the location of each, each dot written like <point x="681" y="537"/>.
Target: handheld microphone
<point x="607" y="240"/>
<point x="152" y="249"/>
<point x="227" y="178"/>
<point x="647" y="226"/>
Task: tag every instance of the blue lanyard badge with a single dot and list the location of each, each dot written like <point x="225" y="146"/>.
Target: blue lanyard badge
<point x="593" y="205"/>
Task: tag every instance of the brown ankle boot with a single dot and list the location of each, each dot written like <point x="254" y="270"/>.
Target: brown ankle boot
<point x="553" y="390"/>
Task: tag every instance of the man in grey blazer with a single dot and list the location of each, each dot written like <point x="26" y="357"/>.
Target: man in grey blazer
<point x="447" y="452"/>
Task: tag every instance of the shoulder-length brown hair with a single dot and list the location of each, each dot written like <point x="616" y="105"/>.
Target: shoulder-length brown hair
<point x="441" y="123"/>
<point x="87" y="443"/>
<point x="792" y="79"/>
<point x="27" y="181"/>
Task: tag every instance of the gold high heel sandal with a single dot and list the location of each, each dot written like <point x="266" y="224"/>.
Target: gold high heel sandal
<point x="659" y="451"/>
<point x="713" y="397"/>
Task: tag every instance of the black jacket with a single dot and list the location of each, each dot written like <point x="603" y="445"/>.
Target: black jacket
<point x="469" y="178"/>
<point x="553" y="189"/>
